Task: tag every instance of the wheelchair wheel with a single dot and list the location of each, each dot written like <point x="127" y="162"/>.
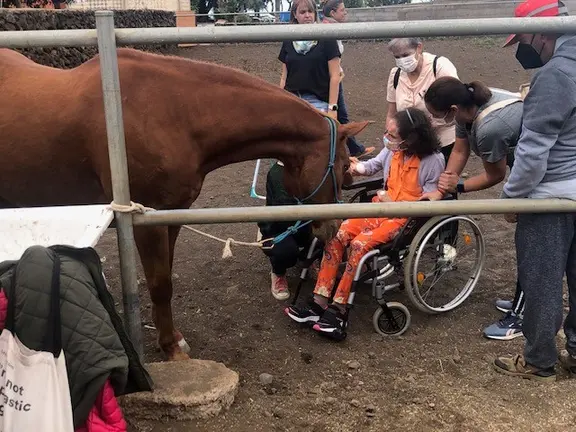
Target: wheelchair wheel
<point x="444" y="263"/>
<point x="395" y="325"/>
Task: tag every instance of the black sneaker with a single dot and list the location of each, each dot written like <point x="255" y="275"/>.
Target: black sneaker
<point x="311" y="312"/>
<point x="333" y="323"/>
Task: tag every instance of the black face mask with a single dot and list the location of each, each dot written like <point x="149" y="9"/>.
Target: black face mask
<point x="528" y="57"/>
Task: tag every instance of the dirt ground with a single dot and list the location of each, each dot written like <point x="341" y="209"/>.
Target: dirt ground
<point x="437" y="377"/>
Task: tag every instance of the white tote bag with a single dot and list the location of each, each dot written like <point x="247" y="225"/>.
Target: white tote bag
<point x="34" y="392"/>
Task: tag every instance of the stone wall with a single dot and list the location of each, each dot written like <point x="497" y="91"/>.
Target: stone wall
<point x="47" y="19"/>
<point x="442" y="9"/>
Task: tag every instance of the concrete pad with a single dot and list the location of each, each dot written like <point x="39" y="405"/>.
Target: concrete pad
<point x="183" y="390"/>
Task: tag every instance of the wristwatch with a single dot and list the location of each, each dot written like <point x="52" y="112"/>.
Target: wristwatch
<point x="332" y="107"/>
<point x="460" y="186"/>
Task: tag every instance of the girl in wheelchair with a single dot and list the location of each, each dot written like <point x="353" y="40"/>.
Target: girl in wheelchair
<point x="411" y="164"/>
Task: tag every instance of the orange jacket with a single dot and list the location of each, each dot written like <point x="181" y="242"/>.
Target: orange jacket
<point x="402" y="181"/>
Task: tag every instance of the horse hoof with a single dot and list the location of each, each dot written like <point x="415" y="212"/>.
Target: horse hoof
<point x="176" y="350"/>
<point x="182" y="343"/>
<point x="174" y="353"/>
<point x="178" y="356"/>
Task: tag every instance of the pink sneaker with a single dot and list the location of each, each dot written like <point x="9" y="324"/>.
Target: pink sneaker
<point x="279" y="287"/>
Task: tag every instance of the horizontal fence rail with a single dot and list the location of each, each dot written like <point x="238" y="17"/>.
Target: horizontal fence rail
<point x="48" y="38"/>
<point x="365" y="30"/>
<point x="343" y="211"/>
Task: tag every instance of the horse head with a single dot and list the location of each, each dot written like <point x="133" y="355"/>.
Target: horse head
<point x="323" y="171"/>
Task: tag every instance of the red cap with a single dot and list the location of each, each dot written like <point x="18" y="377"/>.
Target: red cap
<point x="536" y="8"/>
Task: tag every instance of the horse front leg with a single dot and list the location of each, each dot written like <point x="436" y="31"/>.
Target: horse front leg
<point x="156" y="249"/>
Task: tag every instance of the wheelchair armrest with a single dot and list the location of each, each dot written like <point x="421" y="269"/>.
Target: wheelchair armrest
<point x="449" y="197"/>
<point x="370" y="183"/>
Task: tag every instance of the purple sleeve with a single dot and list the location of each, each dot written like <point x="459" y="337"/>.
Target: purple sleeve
<point x="377" y="163"/>
<point x="429" y="172"/>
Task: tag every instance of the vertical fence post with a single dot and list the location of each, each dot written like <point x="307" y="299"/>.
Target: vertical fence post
<point x="119" y="172"/>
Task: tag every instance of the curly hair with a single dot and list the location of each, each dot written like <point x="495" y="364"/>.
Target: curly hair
<point x="416" y="130"/>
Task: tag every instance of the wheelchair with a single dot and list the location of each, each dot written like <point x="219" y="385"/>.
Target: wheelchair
<point x="402" y="265"/>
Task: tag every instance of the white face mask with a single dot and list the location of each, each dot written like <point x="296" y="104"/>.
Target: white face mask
<point x="393" y="146"/>
<point x="407" y="64"/>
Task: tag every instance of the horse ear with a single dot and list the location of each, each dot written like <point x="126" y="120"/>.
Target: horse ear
<point x="353" y="128"/>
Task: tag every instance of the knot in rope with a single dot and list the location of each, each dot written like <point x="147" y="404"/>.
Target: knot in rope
<point x="226" y="253"/>
<point x="132" y="208"/>
<point x="292" y="230"/>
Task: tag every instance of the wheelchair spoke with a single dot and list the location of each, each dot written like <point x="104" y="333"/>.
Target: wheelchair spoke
<point x="444" y="267"/>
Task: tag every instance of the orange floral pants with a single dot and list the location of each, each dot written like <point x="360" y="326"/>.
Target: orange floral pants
<point x="362" y="235"/>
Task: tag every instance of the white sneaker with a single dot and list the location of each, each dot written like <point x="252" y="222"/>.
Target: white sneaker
<point x="279" y="287"/>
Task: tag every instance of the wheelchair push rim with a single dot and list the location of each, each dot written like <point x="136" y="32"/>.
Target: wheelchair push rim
<point x="424" y="241"/>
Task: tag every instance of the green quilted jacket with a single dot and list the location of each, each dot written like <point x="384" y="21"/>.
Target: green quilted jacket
<point x="95" y="343"/>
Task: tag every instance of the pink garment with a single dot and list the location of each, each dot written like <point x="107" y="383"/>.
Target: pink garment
<point x="3" y="308"/>
<point x="106" y="414"/>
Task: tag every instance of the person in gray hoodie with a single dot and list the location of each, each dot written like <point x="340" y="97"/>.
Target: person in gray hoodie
<point x="545" y="167"/>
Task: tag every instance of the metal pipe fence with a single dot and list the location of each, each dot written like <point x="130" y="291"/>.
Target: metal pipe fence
<point x="253" y="34"/>
<point x="119" y="174"/>
<point x="107" y="38"/>
<point x="343" y="211"/>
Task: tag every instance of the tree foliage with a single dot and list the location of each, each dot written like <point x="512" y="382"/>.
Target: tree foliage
<point x="202" y="7"/>
<point x="227" y="6"/>
<point x="233" y="6"/>
<point x="354" y="3"/>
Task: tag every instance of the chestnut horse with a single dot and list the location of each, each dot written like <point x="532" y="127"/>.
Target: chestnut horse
<point x="182" y="120"/>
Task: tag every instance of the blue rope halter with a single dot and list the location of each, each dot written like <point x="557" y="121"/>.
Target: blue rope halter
<point x="329" y="170"/>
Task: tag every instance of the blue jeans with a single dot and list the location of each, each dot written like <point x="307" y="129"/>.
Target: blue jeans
<point x="313" y="100"/>
<point x="355" y="148"/>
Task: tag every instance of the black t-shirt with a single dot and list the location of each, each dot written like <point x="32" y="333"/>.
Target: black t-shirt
<point x="309" y="73"/>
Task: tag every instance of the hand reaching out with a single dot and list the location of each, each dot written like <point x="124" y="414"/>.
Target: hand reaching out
<point x="356" y="167"/>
